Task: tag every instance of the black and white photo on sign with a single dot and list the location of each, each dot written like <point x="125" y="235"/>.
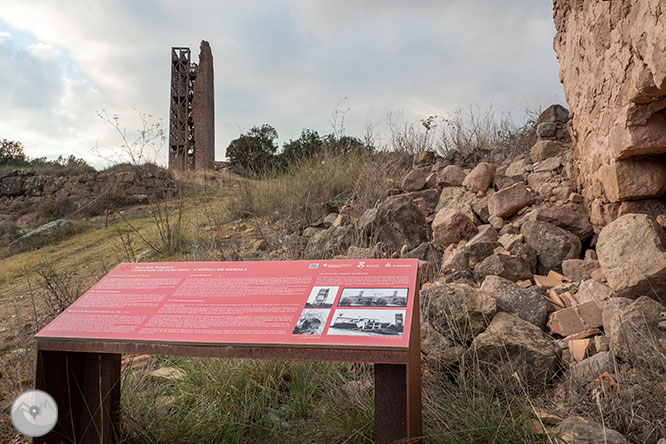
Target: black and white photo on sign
<point x="367" y="322"/>
<point x="373" y="297"/>
<point x="311" y="321"/>
<point x="321" y="297"/>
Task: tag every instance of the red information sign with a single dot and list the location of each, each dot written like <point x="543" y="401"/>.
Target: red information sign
<point x="348" y="303"/>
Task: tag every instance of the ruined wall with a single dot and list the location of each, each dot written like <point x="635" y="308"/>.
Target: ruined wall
<point x="203" y="111"/>
<point x="612" y="58"/>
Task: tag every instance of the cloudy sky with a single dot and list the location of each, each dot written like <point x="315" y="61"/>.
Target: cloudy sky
<point x="281" y="62"/>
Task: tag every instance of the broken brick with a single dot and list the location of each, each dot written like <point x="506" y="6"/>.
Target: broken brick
<point x="578" y="348"/>
<point x="583" y="334"/>
<point x="575" y="319"/>
<point x="546" y="281"/>
<point x="560" y="277"/>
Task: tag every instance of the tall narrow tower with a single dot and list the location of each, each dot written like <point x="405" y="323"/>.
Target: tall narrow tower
<point x="192" y="110"/>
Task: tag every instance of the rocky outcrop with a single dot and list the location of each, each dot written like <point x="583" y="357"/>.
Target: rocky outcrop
<point x="613" y="70"/>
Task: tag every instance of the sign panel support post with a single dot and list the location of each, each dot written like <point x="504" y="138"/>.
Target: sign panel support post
<point x="86" y="388"/>
<point x="398" y="393"/>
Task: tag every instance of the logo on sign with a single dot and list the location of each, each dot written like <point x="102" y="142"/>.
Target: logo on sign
<point x="314" y="266"/>
<point x="361" y="264"/>
<point x="34" y="413"/>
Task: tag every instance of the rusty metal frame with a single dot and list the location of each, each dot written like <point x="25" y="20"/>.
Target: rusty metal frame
<point x="181" y="127"/>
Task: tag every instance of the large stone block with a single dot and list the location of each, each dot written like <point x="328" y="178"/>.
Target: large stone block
<point x="632" y="255"/>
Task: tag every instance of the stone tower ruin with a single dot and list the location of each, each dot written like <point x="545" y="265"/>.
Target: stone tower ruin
<point x="192" y="110"/>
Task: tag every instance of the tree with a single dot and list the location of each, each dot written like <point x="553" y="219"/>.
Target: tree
<point x="254" y="151"/>
<point x="307" y="145"/>
<point x="11" y="152"/>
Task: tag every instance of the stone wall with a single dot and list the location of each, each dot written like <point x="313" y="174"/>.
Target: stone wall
<point x="203" y="111"/>
<point x="613" y="68"/>
<point x="26" y="187"/>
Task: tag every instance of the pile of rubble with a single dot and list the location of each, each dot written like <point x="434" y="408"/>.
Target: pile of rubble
<point x="513" y="273"/>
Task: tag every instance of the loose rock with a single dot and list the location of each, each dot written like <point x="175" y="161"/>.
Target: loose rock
<point x="526" y="303"/>
<point x="510" y="345"/>
<point x="551" y="243"/>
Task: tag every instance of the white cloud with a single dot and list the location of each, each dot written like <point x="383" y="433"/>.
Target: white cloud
<point x="43" y="51"/>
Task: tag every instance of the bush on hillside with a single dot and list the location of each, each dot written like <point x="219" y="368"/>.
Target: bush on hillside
<point x="11" y="151"/>
<point x="252" y="153"/>
<point x="307" y="145"/>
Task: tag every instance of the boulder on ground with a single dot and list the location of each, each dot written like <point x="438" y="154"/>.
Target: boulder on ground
<point x="397" y="222"/>
<point x="426" y="251"/>
<point x="415" y="180"/>
<point x="510" y="345"/>
<point x="451" y="225"/>
<point x="552" y="244"/>
<point x="577" y="430"/>
<point x="509" y="267"/>
<point x="592" y="290"/>
<point x="518" y="168"/>
<point x="526" y="303"/>
<point x="587" y="370"/>
<point x="578" y="269"/>
<point x="571" y="216"/>
<point x="632" y="255"/>
<point x="544" y="149"/>
<point x="450" y="176"/>
<point x="332" y="242"/>
<point x="486" y="234"/>
<point x="468" y="256"/>
<point x="480" y="178"/>
<point x="437" y="350"/>
<point x="506" y="202"/>
<point x="635" y="335"/>
<point x="556" y="114"/>
<point x="52" y="229"/>
<point x="458" y="311"/>
<point x="458" y="197"/>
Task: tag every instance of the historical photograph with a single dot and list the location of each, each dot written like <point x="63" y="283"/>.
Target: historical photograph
<point x="321" y="297"/>
<point x="367" y="322"/>
<point x="311" y="322"/>
<point x="373" y="297"/>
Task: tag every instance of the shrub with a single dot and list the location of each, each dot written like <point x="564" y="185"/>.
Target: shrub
<point x="307" y="145"/>
<point x="253" y="152"/>
<point x="9" y="231"/>
<point x="11" y="152"/>
<point x="55" y="209"/>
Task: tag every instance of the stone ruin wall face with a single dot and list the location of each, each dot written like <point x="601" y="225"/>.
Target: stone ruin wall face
<point x="203" y="111"/>
<point x="612" y="58"/>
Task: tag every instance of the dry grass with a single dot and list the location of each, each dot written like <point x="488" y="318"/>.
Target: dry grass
<point x="298" y="197"/>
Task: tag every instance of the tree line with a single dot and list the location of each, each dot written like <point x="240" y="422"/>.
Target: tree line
<point x="255" y="152"/>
